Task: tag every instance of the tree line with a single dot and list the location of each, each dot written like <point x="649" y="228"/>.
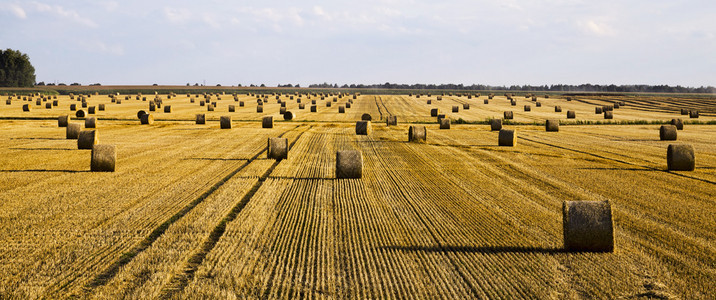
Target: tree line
<point x="16" y="69"/>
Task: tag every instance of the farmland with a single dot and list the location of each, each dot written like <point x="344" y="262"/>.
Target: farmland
<point x="194" y="211"/>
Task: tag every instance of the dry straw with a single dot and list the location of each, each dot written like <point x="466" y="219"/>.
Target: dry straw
<point x="363" y="128"/>
<point x="277" y="148"/>
<point x="417" y="134"/>
<point x="87" y="139"/>
<point x="507" y="137"/>
<point x="104" y="158"/>
<point x="588" y="226"/>
<point x="349" y="164"/>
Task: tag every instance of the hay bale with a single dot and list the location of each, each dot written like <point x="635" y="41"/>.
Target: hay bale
<point x="200" y="119"/>
<point x="288" y="115"/>
<point x="260" y="109"/>
<point x="615" y="106"/>
<point x="417" y="134"/>
<point x="588" y="226"/>
<point x="140" y="114"/>
<point x="434" y="112"/>
<point x="557" y="109"/>
<point x="73" y="107"/>
<point x="314" y="108"/>
<point x="267" y="122"/>
<point x="277" y="148"/>
<point x="444" y="123"/>
<point x="678" y="123"/>
<point x="302" y="106"/>
<point x="538" y="104"/>
<point x="72" y="131"/>
<point x="508" y="115"/>
<point x="495" y="124"/>
<point x="597" y="110"/>
<point x="328" y="104"/>
<point x="348" y="105"/>
<point x="100" y="107"/>
<point x="349" y="164"/>
<point x="8" y="102"/>
<point x="232" y="108"/>
<point x="282" y="110"/>
<point x="91" y="122"/>
<point x="48" y="105"/>
<point x="225" y="122"/>
<point x="84" y="104"/>
<point x="209" y="107"/>
<point x="202" y="103"/>
<point x="513" y="102"/>
<point x="680" y="158"/>
<point x="507" y="137"/>
<point x="571" y="114"/>
<point x="80" y="113"/>
<point x="366" y="117"/>
<point x="91" y="110"/>
<point x="391" y="120"/>
<point x="552" y="125"/>
<point x="55" y="103"/>
<point x="26" y="107"/>
<point x="486" y="101"/>
<point x="167" y="108"/>
<point x="363" y="128"/>
<point x="684" y="111"/>
<point x="87" y="139"/>
<point x="667" y="133"/>
<point x="146" y="119"/>
<point x="152" y="106"/>
<point x="528" y="108"/>
<point x="104" y="158"/>
<point x="694" y="114"/>
<point x="609" y="115"/>
<point x="429" y="102"/>
<point x="341" y="109"/>
<point x="455" y="108"/>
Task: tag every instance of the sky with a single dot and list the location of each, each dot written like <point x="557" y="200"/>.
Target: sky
<point x="492" y="42"/>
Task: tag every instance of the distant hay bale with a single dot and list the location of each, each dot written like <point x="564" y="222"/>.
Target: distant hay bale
<point x="260" y="109"/>
<point x="455" y="108"/>
<point x="597" y="110"/>
<point x="616" y="105"/>
<point x="341" y="109"/>
<point x="417" y="134"/>
<point x="609" y="115"/>
<point x="528" y="108"/>
<point x="100" y="107"/>
<point x="63" y="120"/>
<point x="434" y="112"/>
<point x="73" y="131"/>
<point x="508" y="115"/>
<point x="301" y="106"/>
<point x="56" y="103"/>
<point x="232" y="108"/>
<point x="48" y="105"/>
<point x="552" y="125"/>
<point x="277" y="148"/>
<point x="391" y="121"/>
<point x="507" y="137"/>
<point x="694" y="114"/>
<point x="91" y="122"/>
<point x="486" y="101"/>
<point x="210" y="107"/>
<point x="26" y="107"/>
<point x="678" y="123"/>
<point x="466" y="106"/>
<point x="91" y="110"/>
<point x="283" y="104"/>
<point x="202" y="103"/>
<point x="513" y="102"/>
<point x="429" y="102"/>
<point x="680" y="158"/>
<point x="104" y="158"/>
<point x="167" y="108"/>
<point x="146" y="119"/>
<point x="588" y="226"/>
<point x="557" y="109"/>
<point x="667" y="133"/>
<point x="534" y="98"/>
<point x="571" y="114"/>
<point x="538" y="104"/>
<point x="349" y="164"/>
<point x="684" y="111"/>
<point x="313" y="101"/>
<point x="152" y="106"/>
<point x="80" y="113"/>
<point x="225" y="122"/>
<point x="140" y="114"/>
<point x="282" y="110"/>
<point x="87" y="139"/>
<point x="444" y="123"/>
<point x="328" y="104"/>
<point x="363" y="128"/>
<point x="288" y="115"/>
<point x="8" y="102"/>
<point x="192" y="100"/>
<point x="73" y="107"/>
<point x="495" y="124"/>
<point x="314" y="108"/>
<point x="348" y="105"/>
<point x="200" y="119"/>
<point x="241" y="103"/>
<point x="569" y="98"/>
<point x="267" y="122"/>
<point x="366" y="117"/>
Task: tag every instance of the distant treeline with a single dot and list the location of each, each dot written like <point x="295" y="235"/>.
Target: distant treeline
<point x="638" y="88"/>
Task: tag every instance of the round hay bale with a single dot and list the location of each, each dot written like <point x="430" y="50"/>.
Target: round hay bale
<point x="283" y="104"/>
<point x="140" y="114"/>
<point x="26" y="107"/>
<point x="232" y="108"/>
<point x="507" y="137"/>
<point x="588" y="226"/>
<point x="429" y="102"/>
<point x="167" y="108"/>
<point x="486" y="101"/>
<point x="348" y="105"/>
<point x="84" y="104"/>
<point x="684" y="111"/>
<point x="557" y="109"/>
<point x="80" y="113"/>
<point x="609" y="115"/>
<point x="267" y="122"/>
<point x="444" y="123"/>
<point x="8" y="102"/>
<point x="91" y="122"/>
<point x="341" y="109"/>
<point x="55" y="103"/>
<point x="63" y="120"/>
<point x="434" y="112"/>
<point x="363" y="128"/>
<point x="100" y="107"/>
<point x="277" y="148"/>
<point x="571" y="114"/>
<point x="282" y="110"/>
<point x="146" y="119"/>
<point x="391" y="120"/>
<point x="152" y="106"/>
<point x="241" y="103"/>
<point x="48" y="105"/>
<point x="328" y="104"/>
<point x="91" y="110"/>
<point x="210" y="107"/>
<point x="314" y="108"/>
<point x="513" y="102"/>
<point x="87" y="139"/>
<point x="680" y="158"/>
<point x="73" y="131"/>
<point x="508" y="115"/>
<point x="495" y="124"/>
<point x="455" y="108"/>
<point x="313" y="101"/>
<point x="667" y="133"/>
<point x="417" y="134"/>
<point x="104" y="158"/>
<point x="225" y="122"/>
<point x="694" y="114"/>
<point x="528" y="108"/>
<point x="302" y="106"/>
<point x="288" y="115"/>
<point x="349" y="164"/>
<point x="615" y="106"/>
<point x="538" y="104"/>
<point x="678" y="123"/>
<point x="366" y="117"/>
<point x="552" y="125"/>
<point x="260" y="109"/>
<point x="597" y="110"/>
<point x="202" y="103"/>
<point x="73" y="107"/>
<point x="200" y="119"/>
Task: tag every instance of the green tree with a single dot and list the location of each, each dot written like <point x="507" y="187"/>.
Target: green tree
<point x="16" y="69"/>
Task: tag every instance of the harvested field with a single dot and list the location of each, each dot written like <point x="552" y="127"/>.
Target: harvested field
<point x="193" y="211"/>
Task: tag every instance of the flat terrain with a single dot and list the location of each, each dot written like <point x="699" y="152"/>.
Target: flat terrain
<point x="194" y="211"/>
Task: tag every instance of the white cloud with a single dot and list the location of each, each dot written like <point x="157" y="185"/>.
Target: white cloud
<point x="63" y="13"/>
<point x="597" y="28"/>
<point x="101" y="47"/>
<point x="177" y="15"/>
<point x="15" y="10"/>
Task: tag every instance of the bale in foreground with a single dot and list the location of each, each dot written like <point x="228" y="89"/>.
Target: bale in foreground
<point x="103" y="158"/>
<point x="495" y="124"/>
<point x="552" y="125"/>
<point x="91" y="122"/>
<point x="588" y="226"/>
<point x="506" y="137"/>
<point x="667" y="133"/>
<point x="277" y="148"/>
<point x="349" y="164"/>
<point x="417" y="134"/>
<point x="225" y="122"/>
<point x="680" y="158"/>
<point x="87" y="139"/>
<point x="363" y="128"/>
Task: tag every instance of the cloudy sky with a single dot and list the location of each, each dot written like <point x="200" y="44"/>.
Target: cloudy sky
<point x="372" y="41"/>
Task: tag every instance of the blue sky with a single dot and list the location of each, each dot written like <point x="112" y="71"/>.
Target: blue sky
<point x="399" y="41"/>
